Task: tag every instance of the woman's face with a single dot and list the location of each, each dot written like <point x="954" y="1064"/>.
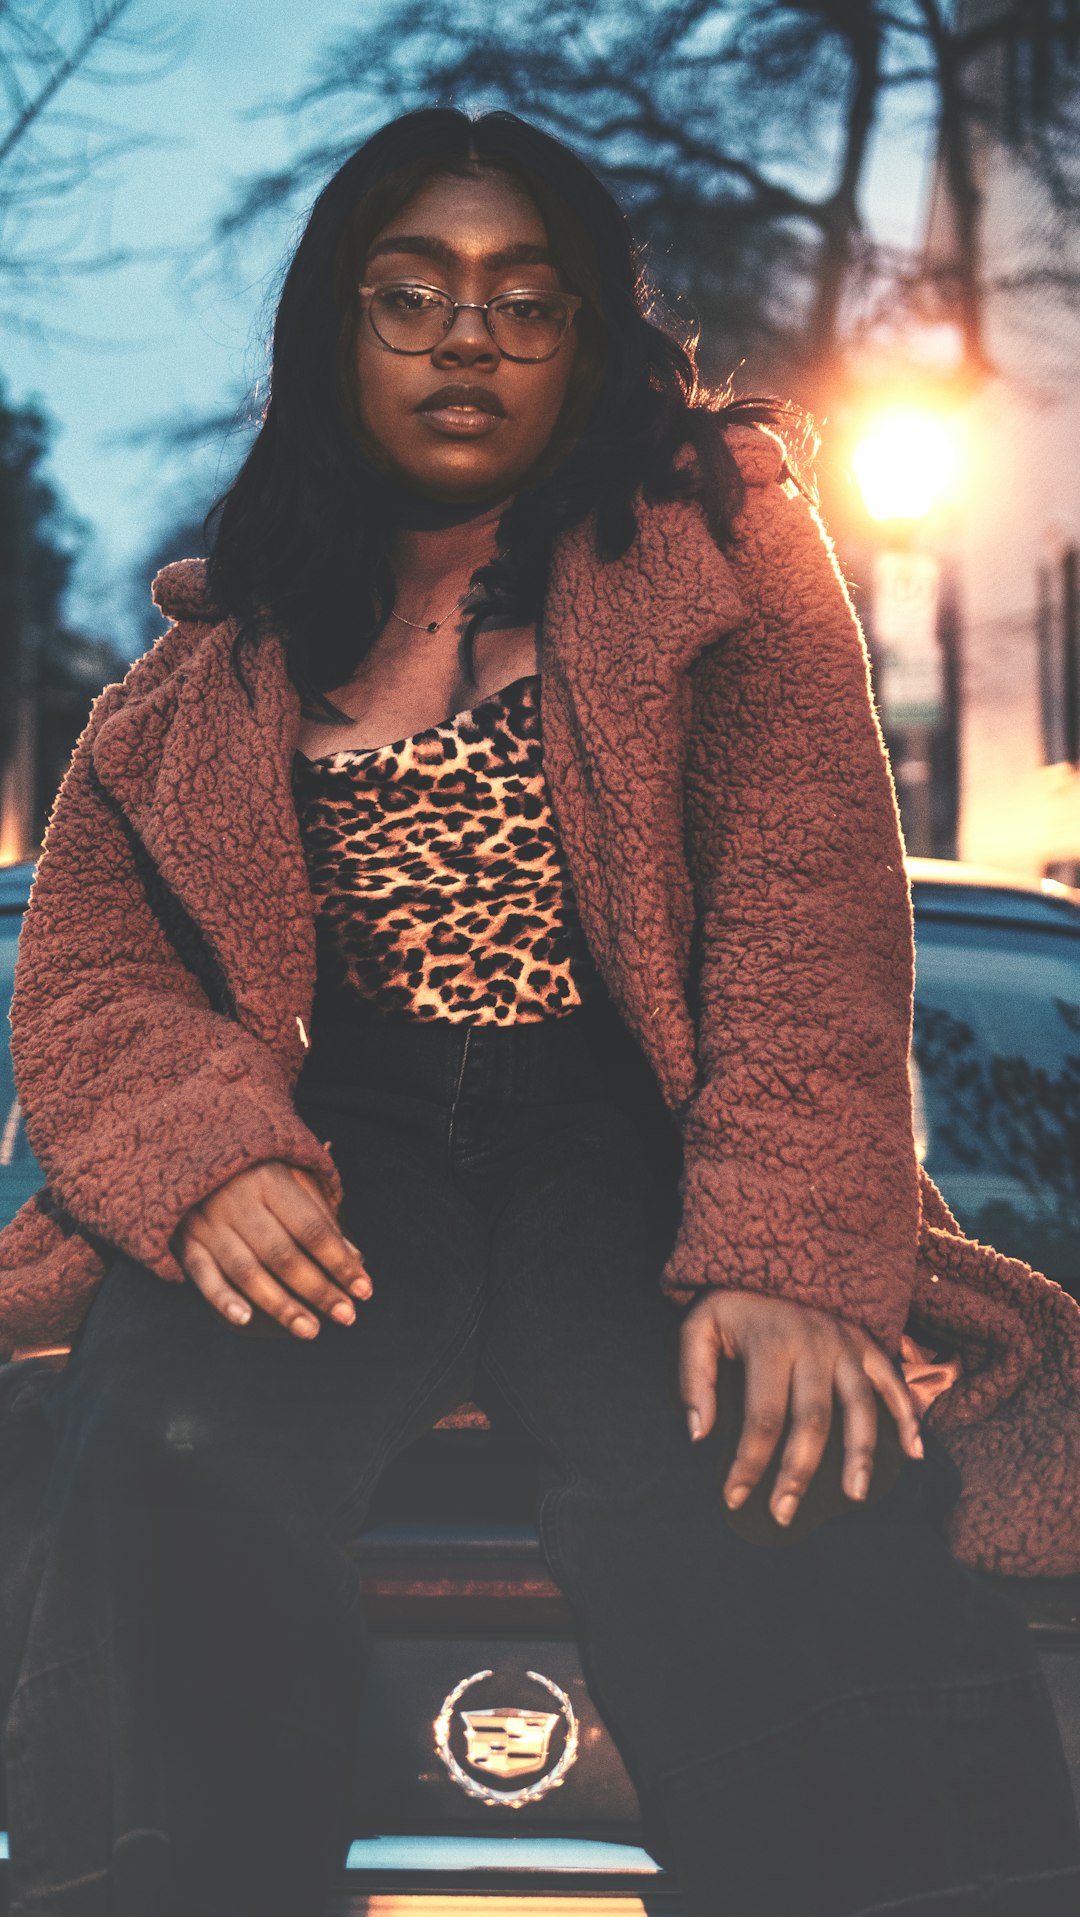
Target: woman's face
<point x="471" y="238"/>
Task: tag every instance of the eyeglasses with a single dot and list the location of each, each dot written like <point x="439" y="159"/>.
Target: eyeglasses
<point x="526" y="324"/>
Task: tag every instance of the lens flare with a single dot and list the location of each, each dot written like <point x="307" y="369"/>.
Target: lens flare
<point x="906" y="464"/>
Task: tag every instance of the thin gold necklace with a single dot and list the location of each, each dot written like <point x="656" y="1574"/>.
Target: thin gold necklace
<point x="432" y="625"/>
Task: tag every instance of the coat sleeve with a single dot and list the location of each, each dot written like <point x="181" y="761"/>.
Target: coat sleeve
<point x="800" y="1170"/>
<point x="139" y="1098"/>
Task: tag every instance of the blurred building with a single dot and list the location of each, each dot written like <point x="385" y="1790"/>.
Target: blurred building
<point x="1015" y="554"/>
<point x="65" y="672"/>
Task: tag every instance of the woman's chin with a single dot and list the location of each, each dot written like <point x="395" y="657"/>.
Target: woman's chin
<point x="456" y="476"/>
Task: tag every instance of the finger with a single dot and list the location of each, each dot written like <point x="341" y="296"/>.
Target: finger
<point x="811" y="1422"/>
<point x="859" y="1406"/>
<point x="897" y="1396"/>
<point x="768" y="1382"/>
<point x="318" y="1235"/>
<point x="315" y="1185"/>
<point x="206" y="1274"/>
<point x="699" y="1347"/>
<point x="280" y="1255"/>
<point x="250" y="1277"/>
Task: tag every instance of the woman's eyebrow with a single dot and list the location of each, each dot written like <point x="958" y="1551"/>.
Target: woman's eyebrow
<point x="520" y="253"/>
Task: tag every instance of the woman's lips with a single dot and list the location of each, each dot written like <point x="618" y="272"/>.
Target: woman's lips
<point x="466" y="422"/>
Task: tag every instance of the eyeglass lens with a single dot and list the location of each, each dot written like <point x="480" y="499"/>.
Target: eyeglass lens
<point x="414" y="318"/>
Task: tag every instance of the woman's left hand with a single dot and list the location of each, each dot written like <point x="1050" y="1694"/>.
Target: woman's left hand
<point x="795" y="1352"/>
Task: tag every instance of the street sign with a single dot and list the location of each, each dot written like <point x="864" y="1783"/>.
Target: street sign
<point x="907" y="588"/>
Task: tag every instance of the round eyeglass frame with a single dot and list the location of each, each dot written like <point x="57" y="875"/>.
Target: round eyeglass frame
<point x="572" y="301"/>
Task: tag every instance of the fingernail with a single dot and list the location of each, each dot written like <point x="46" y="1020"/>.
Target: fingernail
<point x="785" y="1510"/>
<point x="305" y="1328"/>
<point x="694" y="1421"/>
<point x="344" y="1314"/>
<point x="361" y="1288"/>
<point x="861" y="1483"/>
<point x="737" y="1495"/>
<point x="917" y="1446"/>
<point x="239" y="1313"/>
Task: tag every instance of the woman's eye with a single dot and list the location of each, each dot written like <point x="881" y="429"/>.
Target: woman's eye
<point x="527" y="309"/>
<point x="409" y="299"/>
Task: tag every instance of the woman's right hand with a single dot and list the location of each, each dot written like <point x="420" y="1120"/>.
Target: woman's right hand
<point x="268" y="1237"/>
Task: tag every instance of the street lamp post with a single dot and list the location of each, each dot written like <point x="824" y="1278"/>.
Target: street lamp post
<point x="905" y="466"/>
<point x="906" y="600"/>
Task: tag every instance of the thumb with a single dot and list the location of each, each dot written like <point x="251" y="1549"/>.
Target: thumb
<point x="699" y="1347"/>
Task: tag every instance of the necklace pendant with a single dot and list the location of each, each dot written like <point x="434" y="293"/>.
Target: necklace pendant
<point x="433" y="627"/>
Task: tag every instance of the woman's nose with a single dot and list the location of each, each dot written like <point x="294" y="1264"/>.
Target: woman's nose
<point x="468" y="337"/>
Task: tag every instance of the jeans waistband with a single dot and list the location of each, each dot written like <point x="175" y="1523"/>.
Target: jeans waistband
<point x="583" y="1054"/>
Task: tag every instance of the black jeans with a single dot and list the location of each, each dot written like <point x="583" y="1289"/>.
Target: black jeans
<point x="852" y="1723"/>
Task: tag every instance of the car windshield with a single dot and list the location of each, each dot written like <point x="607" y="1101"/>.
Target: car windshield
<point x="996" y="1054"/>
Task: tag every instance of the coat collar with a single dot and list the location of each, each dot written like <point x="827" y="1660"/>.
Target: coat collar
<point x="205" y="779"/>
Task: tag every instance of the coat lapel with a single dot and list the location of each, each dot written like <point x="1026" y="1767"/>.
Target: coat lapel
<point x="617" y="644"/>
<point x="205" y="778"/>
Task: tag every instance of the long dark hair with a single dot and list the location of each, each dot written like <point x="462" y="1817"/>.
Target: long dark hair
<point x="301" y="539"/>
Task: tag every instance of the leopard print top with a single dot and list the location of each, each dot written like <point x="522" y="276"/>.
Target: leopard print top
<point x="439" y="884"/>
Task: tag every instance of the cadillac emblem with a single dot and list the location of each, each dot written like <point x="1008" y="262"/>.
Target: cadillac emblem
<point x="508" y="1742"/>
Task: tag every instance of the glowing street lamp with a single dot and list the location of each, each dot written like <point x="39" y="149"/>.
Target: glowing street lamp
<point x="907" y="464"/>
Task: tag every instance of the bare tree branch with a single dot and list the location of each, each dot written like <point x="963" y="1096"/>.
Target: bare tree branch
<point x="52" y="150"/>
<point x="737" y="133"/>
<point x="63" y="67"/>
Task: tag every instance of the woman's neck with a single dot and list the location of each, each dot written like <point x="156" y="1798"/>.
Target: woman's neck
<point x="406" y="506"/>
<point x="431" y="539"/>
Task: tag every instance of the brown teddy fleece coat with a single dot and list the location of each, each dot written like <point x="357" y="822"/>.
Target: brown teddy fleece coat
<point x="729" y="821"/>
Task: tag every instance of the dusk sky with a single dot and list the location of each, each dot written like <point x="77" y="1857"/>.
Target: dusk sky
<point x="143" y="344"/>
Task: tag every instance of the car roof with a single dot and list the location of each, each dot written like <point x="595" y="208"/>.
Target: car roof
<point x="953" y="888"/>
<point x="962" y="872"/>
<point x="15" y="884"/>
<point x="942" y="888"/>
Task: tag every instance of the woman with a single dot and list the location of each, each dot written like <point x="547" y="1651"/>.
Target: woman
<point x="422" y="1031"/>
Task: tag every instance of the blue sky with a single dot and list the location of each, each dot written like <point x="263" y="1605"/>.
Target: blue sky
<point x="144" y="343"/>
<point x="138" y="346"/>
